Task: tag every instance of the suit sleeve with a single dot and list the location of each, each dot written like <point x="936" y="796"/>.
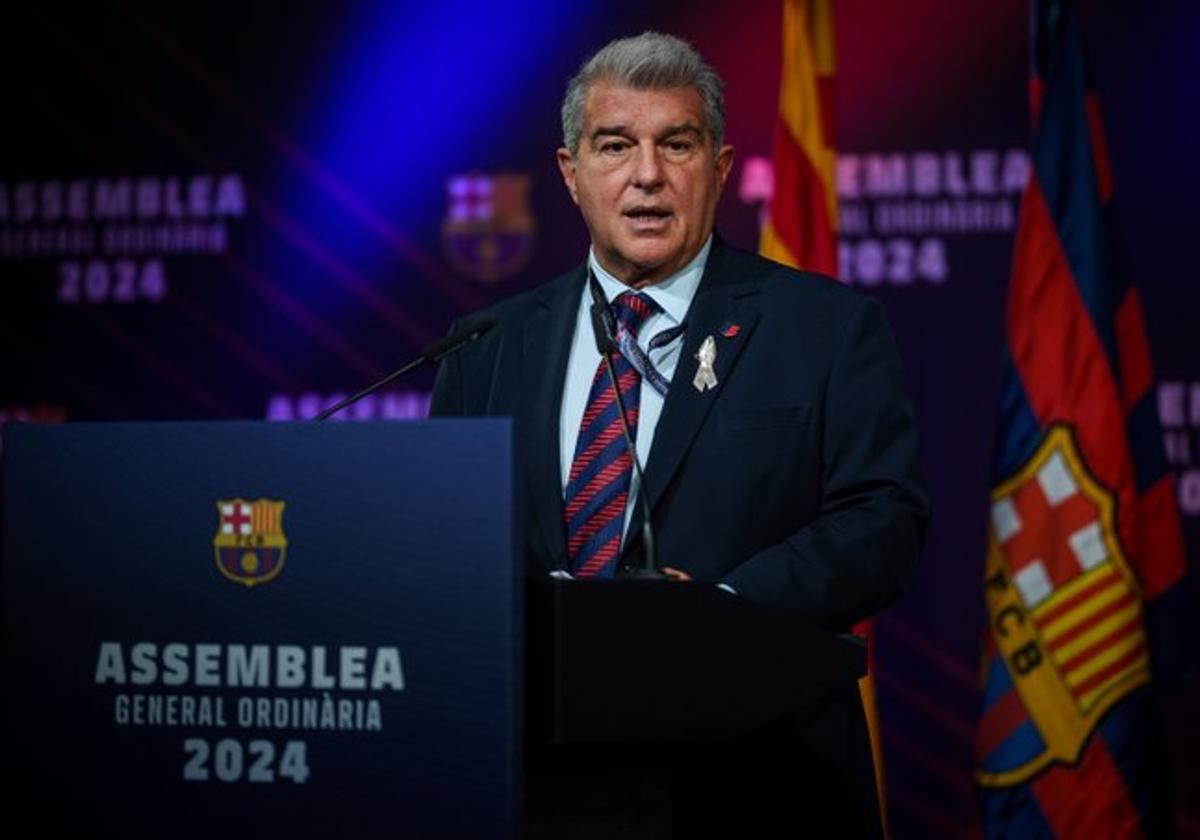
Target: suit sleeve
<point x="857" y="555"/>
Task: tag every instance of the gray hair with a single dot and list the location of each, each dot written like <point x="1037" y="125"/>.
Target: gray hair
<point x="650" y="61"/>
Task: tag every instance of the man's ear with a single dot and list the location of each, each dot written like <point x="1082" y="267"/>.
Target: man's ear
<point x="724" y="164"/>
<point x="566" y="165"/>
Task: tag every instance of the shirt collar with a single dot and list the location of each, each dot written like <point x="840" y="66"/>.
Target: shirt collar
<point x="673" y="294"/>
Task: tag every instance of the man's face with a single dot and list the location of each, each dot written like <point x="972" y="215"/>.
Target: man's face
<point x="646" y="179"/>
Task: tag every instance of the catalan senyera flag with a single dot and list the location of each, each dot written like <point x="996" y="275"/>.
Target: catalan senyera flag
<point x="801" y="221"/>
<point x="1085" y="572"/>
<point x="800" y="228"/>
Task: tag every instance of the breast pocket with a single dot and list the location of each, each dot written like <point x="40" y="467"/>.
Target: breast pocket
<point x="762" y="419"/>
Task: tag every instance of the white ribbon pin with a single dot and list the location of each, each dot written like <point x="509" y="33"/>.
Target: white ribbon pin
<point x="706" y="377"/>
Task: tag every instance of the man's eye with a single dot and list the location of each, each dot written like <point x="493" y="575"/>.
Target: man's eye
<point x="614" y="147"/>
<point x="679" y="145"/>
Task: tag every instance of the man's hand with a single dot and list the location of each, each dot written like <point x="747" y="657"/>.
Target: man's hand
<point x="675" y="574"/>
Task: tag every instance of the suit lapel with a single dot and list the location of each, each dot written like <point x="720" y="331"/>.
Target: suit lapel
<point x="546" y="350"/>
<point x="721" y="301"/>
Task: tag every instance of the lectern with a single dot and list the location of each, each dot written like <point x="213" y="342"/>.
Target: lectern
<point x="688" y="710"/>
<point x="300" y="630"/>
<point x="252" y="629"/>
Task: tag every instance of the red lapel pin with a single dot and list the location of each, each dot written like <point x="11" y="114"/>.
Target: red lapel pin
<point x="730" y="330"/>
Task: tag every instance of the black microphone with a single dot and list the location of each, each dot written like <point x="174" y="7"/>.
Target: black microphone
<point x="432" y="354"/>
<point x="604" y="330"/>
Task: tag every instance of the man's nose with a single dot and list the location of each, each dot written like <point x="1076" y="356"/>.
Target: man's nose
<point x="648" y="171"/>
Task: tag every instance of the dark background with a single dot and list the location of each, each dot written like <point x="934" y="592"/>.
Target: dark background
<point x="345" y="126"/>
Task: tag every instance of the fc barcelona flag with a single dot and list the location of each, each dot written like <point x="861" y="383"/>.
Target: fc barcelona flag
<point x="1084" y="583"/>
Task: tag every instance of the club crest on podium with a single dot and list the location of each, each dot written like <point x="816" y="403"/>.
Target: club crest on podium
<point x="250" y="546"/>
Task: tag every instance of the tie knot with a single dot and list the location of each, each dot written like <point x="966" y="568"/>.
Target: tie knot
<point x="631" y="310"/>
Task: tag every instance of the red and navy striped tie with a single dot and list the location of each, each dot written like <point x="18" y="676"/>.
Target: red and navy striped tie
<point x="598" y="486"/>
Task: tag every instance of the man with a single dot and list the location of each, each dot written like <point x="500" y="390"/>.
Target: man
<point x="767" y="404"/>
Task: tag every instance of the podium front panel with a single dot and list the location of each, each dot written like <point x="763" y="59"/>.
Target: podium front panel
<point x="278" y="629"/>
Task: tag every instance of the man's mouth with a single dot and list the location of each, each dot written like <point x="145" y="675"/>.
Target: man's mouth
<point x="647" y="214"/>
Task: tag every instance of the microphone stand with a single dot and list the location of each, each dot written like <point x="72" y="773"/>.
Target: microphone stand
<point x="604" y="331"/>
<point x="432" y="354"/>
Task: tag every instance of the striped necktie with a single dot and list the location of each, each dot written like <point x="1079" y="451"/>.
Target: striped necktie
<point x="598" y="485"/>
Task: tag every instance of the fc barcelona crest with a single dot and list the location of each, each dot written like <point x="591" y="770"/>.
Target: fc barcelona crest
<point x="1065" y="615"/>
<point x="250" y="545"/>
<point x="489" y="230"/>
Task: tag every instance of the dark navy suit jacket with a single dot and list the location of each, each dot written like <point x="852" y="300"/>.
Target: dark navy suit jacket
<point x="795" y="481"/>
